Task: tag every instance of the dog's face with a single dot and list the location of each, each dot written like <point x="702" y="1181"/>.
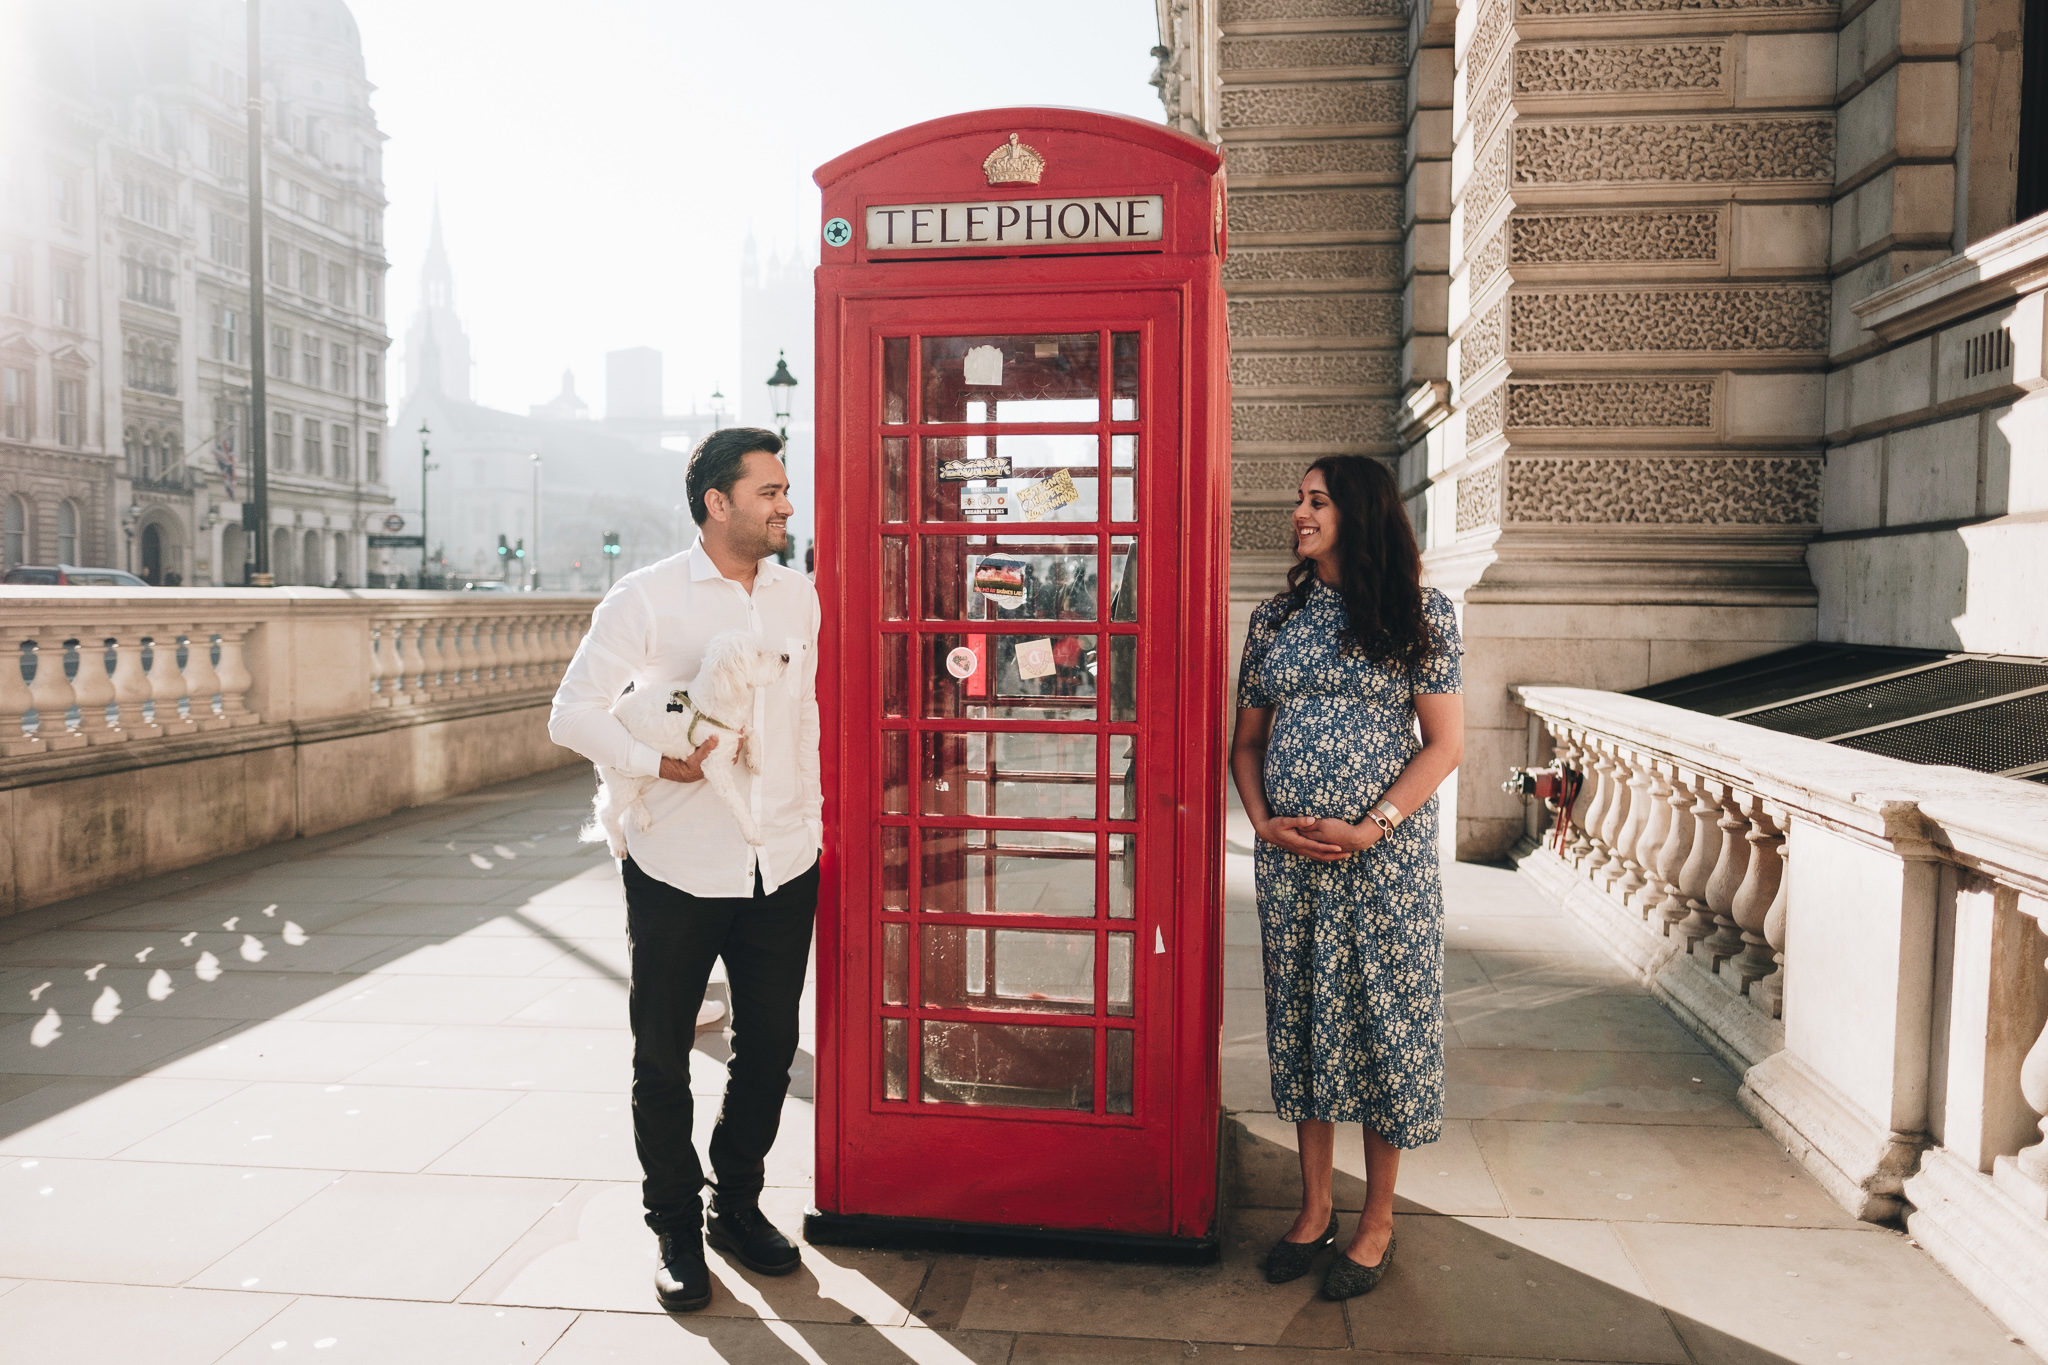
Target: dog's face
<point x="742" y="662"/>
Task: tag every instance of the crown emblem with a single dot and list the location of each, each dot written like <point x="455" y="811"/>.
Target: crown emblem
<point x="1015" y="164"/>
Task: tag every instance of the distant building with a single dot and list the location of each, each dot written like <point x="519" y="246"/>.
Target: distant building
<point x="778" y="320"/>
<point x="124" y="234"/>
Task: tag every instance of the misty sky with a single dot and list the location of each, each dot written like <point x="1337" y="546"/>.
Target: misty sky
<point x="599" y="163"/>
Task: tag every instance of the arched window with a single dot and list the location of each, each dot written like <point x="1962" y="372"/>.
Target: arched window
<point x="67" y="532"/>
<point x="13" y="531"/>
<point x="131" y="367"/>
<point x="131" y="446"/>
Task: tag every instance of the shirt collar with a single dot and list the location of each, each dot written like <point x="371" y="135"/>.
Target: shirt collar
<point x="702" y="567"/>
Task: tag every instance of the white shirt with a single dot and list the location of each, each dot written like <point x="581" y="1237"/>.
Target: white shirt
<point x="651" y="630"/>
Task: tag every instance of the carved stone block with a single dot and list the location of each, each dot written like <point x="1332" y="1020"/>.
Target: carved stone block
<point x="1489" y="99"/>
<point x="1568" y="238"/>
<point x="1485" y="188"/>
<point x="1312" y="423"/>
<point x="1313" y="263"/>
<point x="1488" y="34"/>
<point x="1326" y="156"/>
<point x="1607" y="403"/>
<point x="1774" y="318"/>
<point x="1687" y="151"/>
<point x="1251" y="11"/>
<point x="1291" y="52"/>
<point x="1479" y="498"/>
<point x="1334" y="210"/>
<point x="1316" y="104"/>
<point x="1485" y="415"/>
<point x="1488" y="260"/>
<point x="1754" y="490"/>
<point x="1317" y="315"/>
<point x="1618" y="68"/>
<point x="1319" y="370"/>
<point x="1254" y="474"/>
<point x="1563" y="9"/>
<point x="1255" y="530"/>
<point x="1482" y="342"/>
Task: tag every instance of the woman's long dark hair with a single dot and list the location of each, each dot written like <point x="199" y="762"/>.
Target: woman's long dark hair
<point x="1379" y="567"/>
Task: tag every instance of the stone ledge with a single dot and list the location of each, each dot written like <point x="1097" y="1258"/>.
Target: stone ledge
<point x="1993" y="1247"/>
<point x="1861" y="1164"/>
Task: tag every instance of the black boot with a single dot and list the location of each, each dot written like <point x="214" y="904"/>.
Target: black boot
<point x="741" y="1229"/>
<point x="682" y="1282"/>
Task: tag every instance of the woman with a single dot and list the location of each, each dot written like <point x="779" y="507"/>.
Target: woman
<point x="1339" y="673"/>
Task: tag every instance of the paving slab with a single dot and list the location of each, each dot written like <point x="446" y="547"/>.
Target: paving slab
<point x="405" y="999"/>
<point x="1507" y="970"/>
<point x="632" y="1337"/>
<point x="374" y="1235"/>
<point x="293" y="1050"/>
<point x="551" y="1134"/>
<point x="76" y="1117"/>
<point x="589" y="1002"/>
<point x="1447" y="1176"/>
<point x="514" y="1058"/>
<point x="53" y="1044"/>
<point x="1590" y="1087"/>
<point x="481" y="955"/>
<point x="334" y="1126"/>
<point x="121" y="1324"/>
<point x="329" y="1331"/>
<point x="1512" y="933"/>
<point x="1567" y="1018"/>
<point x="242" y="994"/>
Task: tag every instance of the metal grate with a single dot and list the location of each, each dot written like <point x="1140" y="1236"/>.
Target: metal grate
<point x="1961" y="683"/>
<point x="1992" y="739"/>
<point x="1787" y="673"/>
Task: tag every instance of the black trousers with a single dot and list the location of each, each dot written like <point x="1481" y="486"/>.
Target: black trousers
<point x="674" y="938"/>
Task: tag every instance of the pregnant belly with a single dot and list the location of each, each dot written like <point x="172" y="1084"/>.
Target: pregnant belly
<point x="1334" y="771"/>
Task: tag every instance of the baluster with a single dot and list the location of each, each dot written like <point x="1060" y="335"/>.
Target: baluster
<point x="396" y="663"/>
<point x="234" y="677"/>
<point x="1705" y="814"/>
<point x="488" y="674"/>
<point x="1617" y="818"/>
<point x="1673" y="852"/>
<point x="1630" y="836"/>
<point x="530" y="647"/>
<point x="434" y="676"/>
<point x="1729" y="870"/>
<point x="512" y="650"/>
<point x="201" y="682"/>
<point x="1753" y="898"/>
<point x="1650" y="843"/>
<point x="15" y="703"/>
<point x="93" y="689"/>
<point x="458" y="650"/>
<point x="1769" y="993"/>
<point x="167" y="684"/>
<point x="383" y="665"/>
<point x="1600" y="775"/>
<point x="2032" y="1161"/>
<point x="53" y="695"/>
<point x="131" y="686"/>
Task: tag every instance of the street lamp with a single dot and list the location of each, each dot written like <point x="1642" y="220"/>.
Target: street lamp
<point x="782" y="397"/>
<point x="425" y="469"/>
<point x="717" y="408"/>
<point x="533" y="558"/>
<point x="128" y="520"/>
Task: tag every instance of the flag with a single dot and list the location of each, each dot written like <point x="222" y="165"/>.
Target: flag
<point x="224" y="456"/>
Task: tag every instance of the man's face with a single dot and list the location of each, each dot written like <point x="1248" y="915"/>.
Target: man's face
<point x="755" y="518"/>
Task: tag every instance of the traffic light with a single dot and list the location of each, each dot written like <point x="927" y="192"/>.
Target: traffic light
<point x="503" y="549"/>
<point x="611" y="542"/>
<point x="519" y="550"/>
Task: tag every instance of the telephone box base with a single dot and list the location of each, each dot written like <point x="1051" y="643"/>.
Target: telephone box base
<point x="989" y="1239"/>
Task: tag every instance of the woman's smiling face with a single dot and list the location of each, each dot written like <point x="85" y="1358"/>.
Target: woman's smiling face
<point x="1315" y="520"/>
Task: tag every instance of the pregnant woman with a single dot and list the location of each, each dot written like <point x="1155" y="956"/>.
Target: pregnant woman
<point x="1348" y="719"/>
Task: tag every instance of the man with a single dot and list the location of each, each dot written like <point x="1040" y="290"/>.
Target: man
<point x="696" y="891"/>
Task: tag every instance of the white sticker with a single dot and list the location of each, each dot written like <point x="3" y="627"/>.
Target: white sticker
<point x="1158" y="941"/>
<point x="962" y="663"/>
<point x="1034" y="658"/>
<point x="984" y="504"/>
<point x="984" y="366"/>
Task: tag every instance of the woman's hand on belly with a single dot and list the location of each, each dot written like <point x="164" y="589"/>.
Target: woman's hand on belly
<point x="1293" y="833"/>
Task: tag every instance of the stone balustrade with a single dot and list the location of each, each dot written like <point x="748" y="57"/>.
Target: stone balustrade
<point x="147" y="731"/>
<point x="1862" y="938"/>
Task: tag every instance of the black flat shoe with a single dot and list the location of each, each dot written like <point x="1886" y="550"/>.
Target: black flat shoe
<point x="1347" y="1279"/>
<point x="682" y="1282"/>
<point x="751" y="1239"/>
<point x="1291" y="1260"/>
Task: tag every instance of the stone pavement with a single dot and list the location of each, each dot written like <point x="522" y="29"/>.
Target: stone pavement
<point x="380" y="1116"/>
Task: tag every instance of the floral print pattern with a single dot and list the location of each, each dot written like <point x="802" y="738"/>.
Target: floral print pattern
<point x="1353" y="950"/>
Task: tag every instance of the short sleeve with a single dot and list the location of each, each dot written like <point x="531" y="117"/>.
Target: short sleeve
<point x="1258" y="642"/>
<point x="1438" y="670"/>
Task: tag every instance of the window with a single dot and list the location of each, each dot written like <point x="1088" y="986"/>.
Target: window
<point x="67" y="532"/>
<point x="227" y="334"/>
<point x="339" y="448"/>
<point x="224" y="157"/>
<point x="309" y="445"/>
<point x="373" y="221"/>
<point x="14" y="281"/>
<point x="373" y="294"/>
<point x="229" y="242"/>
<point x="279" y="267"/>
<point x="280" y="352"/>
<point x="13" y="531"/>
<point x="66" y="285"/>
<point x="66" y="198"/>
<point x="149" y="276"/>
<point x="14" y="405"/>
<point x="145" y="202"/>
<point x="298" y="196"/>
<point x="309" y="274"/>
<point x="337" y="284"/>
<point x="2031" y="195"/>
<point x="309" y="360"/>
<point x="329" y="212"/>
<point x="340" y="370"/>
<point x="373" y="456"/>
<point x="71" y="412"/>
<point x="281" y="441"/>
<point x="150" y="364"/>
<point x="373" y="377"/>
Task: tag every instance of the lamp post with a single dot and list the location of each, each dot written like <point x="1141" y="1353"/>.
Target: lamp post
<point x="717" y="408"/>
<point x="425" y="469"/>
<point x="259" y="461"/>
<point x="128" y="520"/>
<point x="533" y="555"/>
<point x="782" y="397"/>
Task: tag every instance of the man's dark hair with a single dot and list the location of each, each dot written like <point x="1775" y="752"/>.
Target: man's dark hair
<point x="720" y="459"/>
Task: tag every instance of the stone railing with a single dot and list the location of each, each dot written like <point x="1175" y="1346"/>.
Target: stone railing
<point x="1862" y="938"/>
<point x="380" y="700"/>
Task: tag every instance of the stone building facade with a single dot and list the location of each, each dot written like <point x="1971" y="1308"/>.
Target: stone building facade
<point x="125" y="216"/>
<point x="1608" y="280"/>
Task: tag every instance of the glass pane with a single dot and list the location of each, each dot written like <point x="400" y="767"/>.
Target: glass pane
<point x="1123" y="481"/>
<point x="895" y="867"/>
<point x="1010" y="677"/>
<point x="895" y="674"/>
<point x="1123" y="570"/>
<point x="1123" y="347"/>
<point x="1011" y="477"/>
<point x="1123" y="778"/>
<point x="1120" y="972"/>
<point x="895" y="1059"/>
<point x="1118" y="1067"/>
<point x="896" y="964"/>
<point x="1123" y="876"/>
<point x="1007" y="872"/>
<point x="895" y="380"/>
<point x="895" y="477"/>
<point x="1010" y="578"/>
<point x="895" y="772"/>
<point x="1012" y="379"/>
<point x="1123" y="677"/>
<point x="1023" y="1066"/>
<point x="895" y="578"/>
<point x="1022" y="776"/>
<point x="1045" y="971"/>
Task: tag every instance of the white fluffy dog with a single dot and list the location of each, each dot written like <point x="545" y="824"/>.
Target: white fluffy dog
<point x="718" y="701"/>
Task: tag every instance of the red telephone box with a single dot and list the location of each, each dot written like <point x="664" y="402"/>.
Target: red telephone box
<point x="1023" y="497"/>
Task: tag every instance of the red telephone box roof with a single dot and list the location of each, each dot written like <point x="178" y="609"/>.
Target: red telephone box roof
<point x="1086" y="155"/>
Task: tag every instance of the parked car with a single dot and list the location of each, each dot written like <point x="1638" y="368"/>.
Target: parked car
<point x="71" y="576"/>
<point x="488" y="585"/>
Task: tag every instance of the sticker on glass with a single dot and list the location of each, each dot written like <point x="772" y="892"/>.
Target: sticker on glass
<point x="1000" y="580"/>
<point x="962" y="663"/>
<point x="838" y="232"/>
<point x="1042" y="499"/>
<point x="984" y="504"/>
<point x="1034" y="659"/>
<point x="983" y="366"/>
<point x="986" y="467"/>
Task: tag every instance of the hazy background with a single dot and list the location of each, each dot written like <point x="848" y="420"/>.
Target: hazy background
<point x="600" y="163"/>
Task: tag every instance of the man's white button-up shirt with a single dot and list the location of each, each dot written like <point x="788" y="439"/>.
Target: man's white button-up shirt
<point x="651" y="630"/>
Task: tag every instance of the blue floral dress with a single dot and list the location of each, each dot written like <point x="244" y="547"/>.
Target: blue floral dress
<point x="1354" y="950"/>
